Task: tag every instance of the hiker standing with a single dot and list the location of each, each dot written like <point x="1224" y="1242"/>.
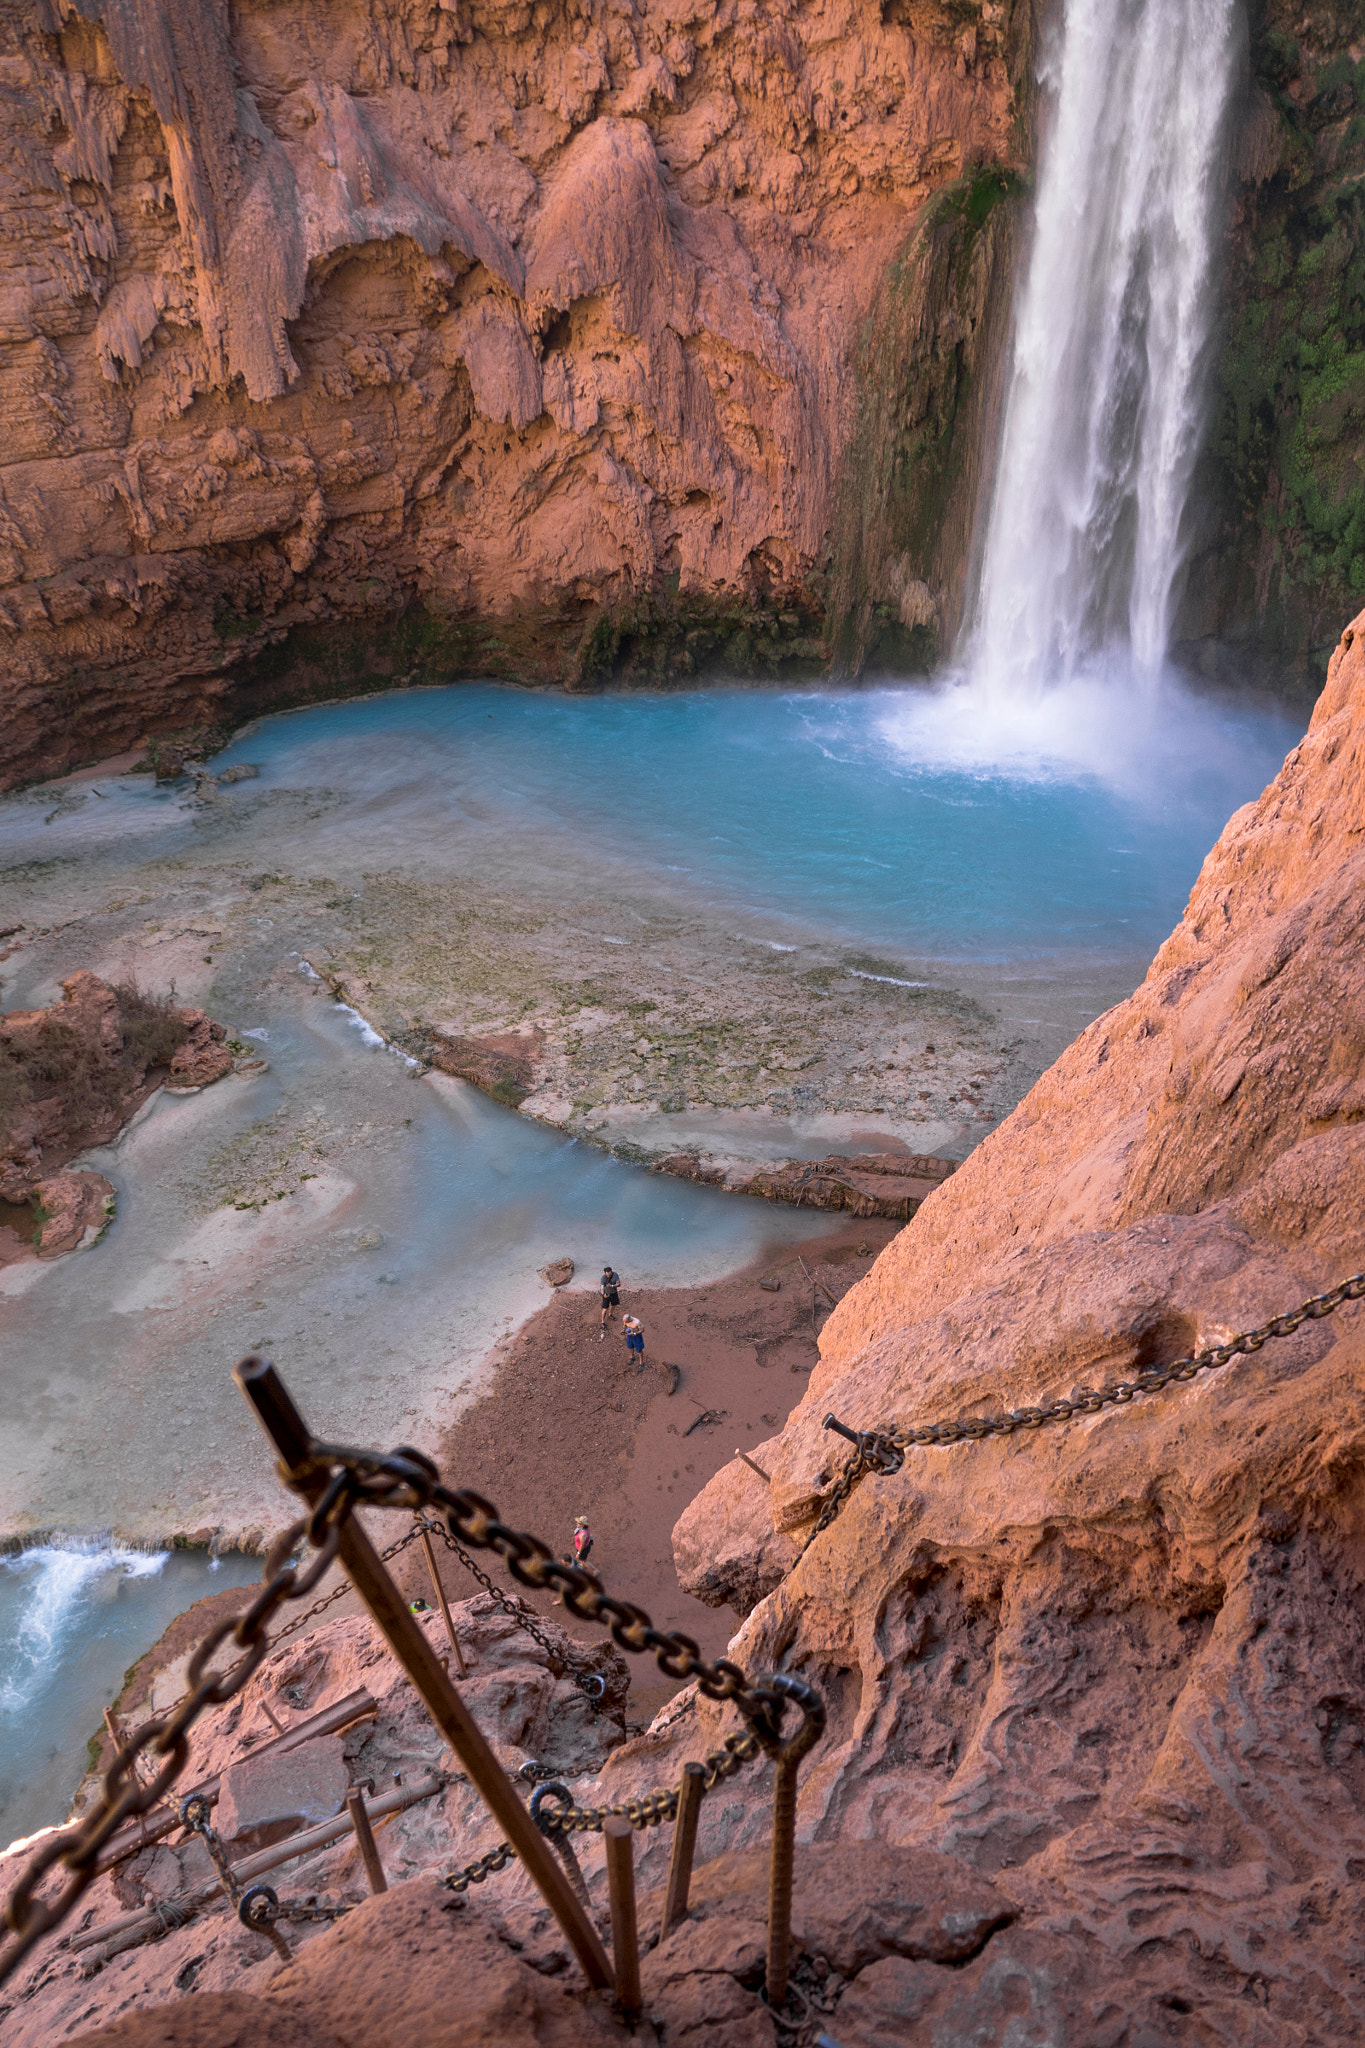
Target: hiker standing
<point x="611" y="1296"/>
<point x="582" y="1548"/>
<point x="635" y="1340"/>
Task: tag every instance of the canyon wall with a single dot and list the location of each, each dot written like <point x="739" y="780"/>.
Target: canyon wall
<point x="351" y="342"/>
<point x="1281" y="556"/>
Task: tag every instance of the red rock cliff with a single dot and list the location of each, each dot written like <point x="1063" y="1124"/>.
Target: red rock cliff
<point x="1116" y="1664"/>
<point x="319" y="315"/>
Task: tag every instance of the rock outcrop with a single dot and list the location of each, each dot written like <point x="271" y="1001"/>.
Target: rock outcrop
<point x="70" y="1077"/>
<point x="522" y="340"/>
<point x="1116" y="1664"/>
<point x="890" y="1184"/>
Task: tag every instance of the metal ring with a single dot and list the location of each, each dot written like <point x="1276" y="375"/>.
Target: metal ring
<point x="256" y="1896"/>
<point x="549" y="1823"/>
<point x="194" y="1812"/>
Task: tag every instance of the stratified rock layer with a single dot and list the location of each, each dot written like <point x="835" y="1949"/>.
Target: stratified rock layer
<point x="491" y="315"/>
<point x="1117" y="1663"/>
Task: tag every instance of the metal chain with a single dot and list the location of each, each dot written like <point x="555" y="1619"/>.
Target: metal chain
<point x="194" y="1814"/>
<point x="338" y="1592"/>
<point x="405" y="1480"/>
<point x="648" y="1810"/>
<point x="883" y="1450"/>
<point x="590" y="1683"/>
<point x="408" y="1481"/>
<point x="166" y="1735"/>
<point x="482" y="1867"/>
<point x="311" y="1614"/>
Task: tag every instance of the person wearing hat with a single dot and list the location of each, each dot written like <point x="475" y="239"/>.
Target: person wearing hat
<point x="611" y="1296"/>
<point x="582" y="1540"/>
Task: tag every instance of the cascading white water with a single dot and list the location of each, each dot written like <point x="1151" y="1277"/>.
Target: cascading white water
<point x="1105" y="399"/>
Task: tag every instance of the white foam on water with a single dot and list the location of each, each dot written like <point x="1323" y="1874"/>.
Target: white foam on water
<point x="1144" y="738"/>
<point x="892" y="980"/>
<point x="367" y="1031"/>
<point x="373" y="1038"/>
<point x="64" y="1579"/>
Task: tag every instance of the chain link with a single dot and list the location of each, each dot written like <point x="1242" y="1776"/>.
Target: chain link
<point x="882" y="1450"/>
<point x="648" y="1810"/>
<point x="590" y="1683"/>
<point x="482" y="1867"/>
<point x="405" y="1480"/>
<point x="338" y="1592"/>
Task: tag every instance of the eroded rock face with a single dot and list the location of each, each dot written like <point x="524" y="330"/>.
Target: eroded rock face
<point x="494" y="314"/>
<point x="1115" y="1663"/>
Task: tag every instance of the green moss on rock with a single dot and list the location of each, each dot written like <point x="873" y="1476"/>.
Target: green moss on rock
<point x="1286" y="464"/>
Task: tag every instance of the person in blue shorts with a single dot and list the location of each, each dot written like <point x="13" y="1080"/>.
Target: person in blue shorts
<point x="635" y="1340"/>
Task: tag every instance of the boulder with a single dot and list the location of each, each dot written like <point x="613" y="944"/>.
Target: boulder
<point x="265" y="1797"/>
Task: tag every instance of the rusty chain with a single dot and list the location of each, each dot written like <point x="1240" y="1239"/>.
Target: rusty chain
<point x="883" y="1450"/>
<point x="590" y="1683"/>
<point x="338" y="1592"/>
<point x="124" y="1794"/>
<point x="482" y="1867"/>
<point x="648" y="1810"/>
<point x="404" y="1480"/>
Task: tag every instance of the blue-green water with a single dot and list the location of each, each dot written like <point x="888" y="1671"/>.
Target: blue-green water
<point x="891" y="817"/>
<point x="921" y="820"/>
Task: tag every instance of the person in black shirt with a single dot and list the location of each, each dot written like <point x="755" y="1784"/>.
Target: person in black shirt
<point x="611" y="1296"/>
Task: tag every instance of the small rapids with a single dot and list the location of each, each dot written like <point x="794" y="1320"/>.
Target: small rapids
<point x="73" y="1616"/>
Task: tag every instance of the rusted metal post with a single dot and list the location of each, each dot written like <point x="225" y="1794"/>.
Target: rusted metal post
<point x="780" y="1884"/>
<point x="364" y="1834"/>
<point x="285" y="1427"/>
<point x="684" y="1847"/>
<point x="753" y="1466"/>
<point x="619" y="1836"/>
<point x="443" y="1604"/>
<point x="786" y="1758"/>
<point x="273" y="1718"/>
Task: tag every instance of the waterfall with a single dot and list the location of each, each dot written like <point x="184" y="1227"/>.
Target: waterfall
<point x="1106" y="386"/>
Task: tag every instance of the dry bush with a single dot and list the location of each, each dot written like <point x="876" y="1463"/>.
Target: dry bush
<point x="13" y="1086"/>
<point x="59" y="1060"/>
<point x="152" y="1030"/>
